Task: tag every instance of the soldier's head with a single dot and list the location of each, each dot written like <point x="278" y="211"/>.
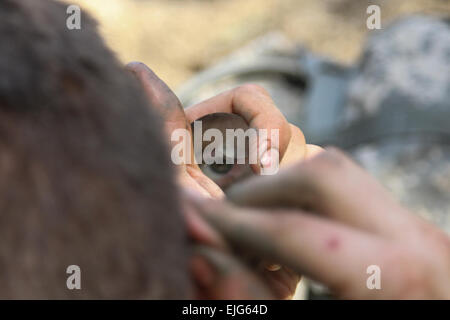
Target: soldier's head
<point x="85" y="175"/>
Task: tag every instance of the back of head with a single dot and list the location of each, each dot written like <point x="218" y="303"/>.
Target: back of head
<point x="84" y="175"/>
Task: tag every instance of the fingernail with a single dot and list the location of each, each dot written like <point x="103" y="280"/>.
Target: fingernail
<point x="269" y="161"/>
<point x="273" y="267"/>
<point x="266" y="159"/>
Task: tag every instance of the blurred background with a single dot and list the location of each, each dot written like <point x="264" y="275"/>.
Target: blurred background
<point x="178" y="38"/>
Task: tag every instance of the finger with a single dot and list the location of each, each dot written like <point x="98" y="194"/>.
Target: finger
<point x="296" y="149"/>
<point x="331" y="253"/>
<point x="159" y="94"/>
<point x="281" y="280"/>
<point x="157" y="91"/>
<point x="220" y="276"/>
<point x="312" y="150"/>
<point x="257" y="108"/>
<point x="329" y="184"/>
<point x="163" y="99"/>
<point x="204" y="182"/>
<point x="198" y="230"/>
<point x="178" y="129"/>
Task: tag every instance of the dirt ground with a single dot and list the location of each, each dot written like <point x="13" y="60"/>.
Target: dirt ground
<point x="180" y="37"/>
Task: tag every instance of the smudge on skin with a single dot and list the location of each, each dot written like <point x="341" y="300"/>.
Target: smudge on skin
<point x="333" y="243"/>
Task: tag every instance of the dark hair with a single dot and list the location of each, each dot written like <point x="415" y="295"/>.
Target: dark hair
<point x="85" y="177"/>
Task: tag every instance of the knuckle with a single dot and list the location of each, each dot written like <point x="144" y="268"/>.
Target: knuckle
<point x="308" y="179"/>
<point x="325" y="163"/>
<point x="337" y="154"/>
<point x="141" y="70"/>
<point x="438" y="239"/>
<point x="314" y="175"/>
<point x="296" y="130"/>
<point x="407" y="269"/>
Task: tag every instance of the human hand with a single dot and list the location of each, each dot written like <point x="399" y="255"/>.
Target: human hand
<point x="254" y="104"/>
<point x="328" y="219"/>
<point x="167" y="104"/>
